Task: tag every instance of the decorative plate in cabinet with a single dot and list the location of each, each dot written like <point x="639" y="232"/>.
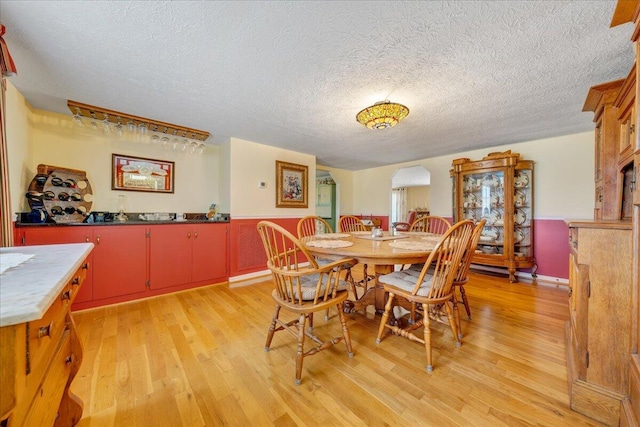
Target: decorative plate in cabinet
<point x="519" y="199"/>
<point x="519" y="217"/>
<point x="520" y="179"/>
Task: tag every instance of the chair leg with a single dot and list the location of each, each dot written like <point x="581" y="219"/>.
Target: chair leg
<point x="272" y="328"/>
<point x="300" y="350"/>
<point x="385" y="317"/>
<point x="345" y="330"/>
<point x="465" y="301"/>
<point x="452" y="323"/>
<point x="456" y="313"/>
<point x="427" y="336"/>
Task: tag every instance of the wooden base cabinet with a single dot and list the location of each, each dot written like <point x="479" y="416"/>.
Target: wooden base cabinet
<point x="598" y="338"/>
<point x="187" y="253"/>
<point x="38" y="361"/>
<point x="134" y="261"/>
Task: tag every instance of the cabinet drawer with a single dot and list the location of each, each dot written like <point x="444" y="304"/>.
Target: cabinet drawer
<point x="44" y="336"/>
<point x="76" y="281"/>
<point x="44" y="407"/>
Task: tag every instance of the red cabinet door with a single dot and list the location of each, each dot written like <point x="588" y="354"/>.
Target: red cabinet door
<point x="170" y="255"/>
<point x="209" y="252"/>
<point x="53" y="235"/>
<point x="120" y="260"/>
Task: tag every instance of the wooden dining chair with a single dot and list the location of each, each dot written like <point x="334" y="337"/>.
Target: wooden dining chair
<point x="428" y="287"/>
<point x="428" y="224"/>
<point x="461" y="278"/>
<point x="406" y="225"/>
<point x="302" y="288"/>
<point x="431" y="224"/>
<point x="462" y="275"/>
<point x="310" y="226"/>
<point x="349" y="224"/>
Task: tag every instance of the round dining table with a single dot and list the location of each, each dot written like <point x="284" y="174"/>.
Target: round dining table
<point x="383" y="252"/>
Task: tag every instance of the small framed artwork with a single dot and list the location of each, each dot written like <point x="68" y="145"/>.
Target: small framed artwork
<point x="138" y="174"/>
<point x="291" y="185"/>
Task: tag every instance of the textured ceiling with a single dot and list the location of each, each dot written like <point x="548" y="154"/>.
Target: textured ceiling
<point x="294" y="74"/>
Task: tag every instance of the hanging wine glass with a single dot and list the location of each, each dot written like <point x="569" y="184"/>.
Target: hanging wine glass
<point x="175" y="143"/>
<point x="193" y="147"/>
<point x="106" y="125"/>
<point x="118" y="128"/>
<point x="142" y="131"/>
<point x="165" y="142"/>
<point x="77" y="118"/>
<point x="94" y="121"/>
<point x="201" y="148"/>
<point x="131" y="127"/>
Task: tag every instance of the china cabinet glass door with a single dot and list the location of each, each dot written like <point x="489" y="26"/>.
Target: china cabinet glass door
<point x="483" y="198"/>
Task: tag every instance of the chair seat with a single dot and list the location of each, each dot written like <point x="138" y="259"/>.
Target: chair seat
<point x="406" y="280"/>
<point x="308" y="287"/>
<point x="322" y="261"/>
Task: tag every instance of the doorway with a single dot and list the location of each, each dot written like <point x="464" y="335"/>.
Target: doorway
<point x="326" y="197"/>
<point x="410" y="188"/>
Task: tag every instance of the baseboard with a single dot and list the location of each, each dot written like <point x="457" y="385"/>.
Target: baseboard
<point x="522" y="275"/>
<point x="249" y="279"/>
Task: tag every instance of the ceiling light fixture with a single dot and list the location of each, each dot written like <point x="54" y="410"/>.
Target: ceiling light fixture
<point x="382" y="115"/>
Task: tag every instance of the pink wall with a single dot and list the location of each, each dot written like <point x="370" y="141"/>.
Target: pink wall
<point x="246" y="253"/>
<point x="551" y="237"/>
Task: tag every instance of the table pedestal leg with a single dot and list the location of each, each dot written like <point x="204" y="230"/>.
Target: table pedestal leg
<point x="373" y="296"/>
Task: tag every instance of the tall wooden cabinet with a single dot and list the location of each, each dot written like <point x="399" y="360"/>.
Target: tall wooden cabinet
<point x="600" y="100"/>
<point x="603" y="335"/>
<point x="598" y="338"/>
<point x="498" y="188"/>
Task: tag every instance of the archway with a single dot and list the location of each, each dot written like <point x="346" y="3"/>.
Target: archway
<point x="410" y="188"/>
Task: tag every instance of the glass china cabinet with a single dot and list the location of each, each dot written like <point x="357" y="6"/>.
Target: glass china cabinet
<point x="499" y="189"/>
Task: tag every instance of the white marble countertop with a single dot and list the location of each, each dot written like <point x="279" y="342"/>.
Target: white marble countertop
<point x="28" y="289"/>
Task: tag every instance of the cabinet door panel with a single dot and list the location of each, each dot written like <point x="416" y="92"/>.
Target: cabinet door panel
<point x="209" y="252"/>
<point x="120" y="260"/>
<point x="170" y="255"/>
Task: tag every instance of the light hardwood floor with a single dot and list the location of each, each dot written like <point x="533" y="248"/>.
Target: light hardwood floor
<point x="197" y="358"/>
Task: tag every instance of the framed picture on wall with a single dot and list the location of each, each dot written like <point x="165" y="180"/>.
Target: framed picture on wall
<point x="138" y="174"/>
<point x="291" y="185"/>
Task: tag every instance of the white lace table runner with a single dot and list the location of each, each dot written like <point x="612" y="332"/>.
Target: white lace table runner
<point x="332" y="236"/>
<point x="329" y="243"/>
<point x="12" y="260"/>
<point x="412" y="245"/>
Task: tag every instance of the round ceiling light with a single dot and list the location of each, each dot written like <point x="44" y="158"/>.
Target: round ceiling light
<point x="382" y="115"/>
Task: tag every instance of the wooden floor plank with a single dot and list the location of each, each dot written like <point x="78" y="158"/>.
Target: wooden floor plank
<point x="197" y="358"/>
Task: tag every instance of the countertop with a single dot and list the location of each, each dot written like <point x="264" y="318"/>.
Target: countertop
<point x="27" y="290"/>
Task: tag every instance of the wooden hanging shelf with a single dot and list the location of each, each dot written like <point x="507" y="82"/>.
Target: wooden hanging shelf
<point x="98" y="113"/>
